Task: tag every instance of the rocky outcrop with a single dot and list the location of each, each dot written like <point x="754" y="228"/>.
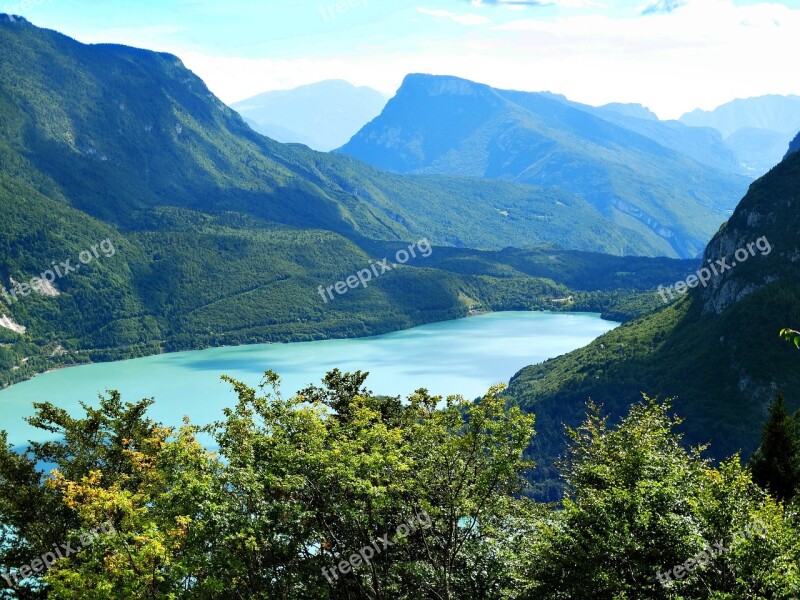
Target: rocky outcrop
<point x="7" y="323"/>
<point x="759" y="244"/>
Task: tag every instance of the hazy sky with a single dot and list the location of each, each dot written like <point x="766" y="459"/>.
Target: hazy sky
<point x="670" y="55"/>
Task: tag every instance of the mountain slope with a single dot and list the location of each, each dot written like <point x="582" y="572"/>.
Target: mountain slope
<point x="716" y="350"/>
<point x="636" y="111"/>
<point x="447" y="125"/>
<point x="147" y="132"/>
<point x="702" y="144"/>
<point x="794" y="146"/>
<point x="323" y="115"/>
<point x="758" y="150"/>
<point x="280" y="134"/>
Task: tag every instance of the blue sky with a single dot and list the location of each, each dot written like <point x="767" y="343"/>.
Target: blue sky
<point x="671" y="55"/>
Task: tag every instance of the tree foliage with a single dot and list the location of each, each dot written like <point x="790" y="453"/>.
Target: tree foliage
<point x="297" y="488"/>
<point x="776" y="463"/>
<point x="790" y="335"/>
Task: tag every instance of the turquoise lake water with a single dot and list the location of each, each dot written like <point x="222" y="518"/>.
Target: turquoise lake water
<point x="464" y="356"/>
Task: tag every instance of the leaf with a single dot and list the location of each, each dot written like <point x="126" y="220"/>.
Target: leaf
<point x="790" y="335"/>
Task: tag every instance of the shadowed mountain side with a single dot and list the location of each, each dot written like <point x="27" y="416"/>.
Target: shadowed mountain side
<point x="716" y="350"/>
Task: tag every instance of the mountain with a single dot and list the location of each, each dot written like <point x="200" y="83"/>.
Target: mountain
<point x="636" y="111"/>
<point x="758" y="150"/>
<point x="771" y="113"/>
<point x="323" y="115"/>
<point x="159" y="137"/>
<point x="222" y="236"/>
<point x="757" y="129"/>
<point x="702" y="144"/>
<point x="716" y="350"/>
<point x="279" y="134"/>
<point x="447" y="125"/>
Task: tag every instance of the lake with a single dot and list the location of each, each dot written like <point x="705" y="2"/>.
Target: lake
<point x="465" y="356"/>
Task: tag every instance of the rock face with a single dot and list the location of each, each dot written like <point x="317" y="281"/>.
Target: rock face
<point x="716" y="351"/>
<point x="760" y="242"/>
<point x="7" y="323"/>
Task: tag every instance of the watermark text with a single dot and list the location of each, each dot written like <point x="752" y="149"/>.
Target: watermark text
<point x="714" y="269"/>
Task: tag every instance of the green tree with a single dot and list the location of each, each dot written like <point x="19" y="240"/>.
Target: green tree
<point x="467" y="473"/>
<point x="629" y="513"/>
<point x="641" y="510"/>
<point x="34" y="513"/>
<point x="299" y="487"/>
<point x="296" y="487"/>
<point x="776" y="463"/>
<point x="323" y="475"/>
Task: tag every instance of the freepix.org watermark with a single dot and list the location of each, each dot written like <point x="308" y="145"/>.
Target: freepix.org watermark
<point x="364" y="275"/>
<point x="57" y="271"/>
<point x="21" y="7"/>
<point x="43" y="563"/>
<point x="366" y="554"/>
<point x="340" y="7"/>
<point x="715" y="268"/>
<point x="708" y="554"/>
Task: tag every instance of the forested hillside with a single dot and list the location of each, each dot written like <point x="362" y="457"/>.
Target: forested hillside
<point x="716" y="349"/>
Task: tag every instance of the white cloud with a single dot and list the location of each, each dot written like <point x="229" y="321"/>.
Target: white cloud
<point x="662" y="6"/>
<point x="702" y="54"/>
<point x="468" y="19"/>
<point x="522" y="4"/>
<point x="507" y="3"/>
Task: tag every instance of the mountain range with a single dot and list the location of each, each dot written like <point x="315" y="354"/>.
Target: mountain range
<point x="626" y="167"/>
<point x="756" y="129"/>
<point x="323" y="115"/>
<point x="223" y="236"/>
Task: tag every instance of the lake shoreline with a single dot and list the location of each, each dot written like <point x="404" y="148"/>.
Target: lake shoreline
<point x="465" y="356"/>
<point x="160" y="350"/>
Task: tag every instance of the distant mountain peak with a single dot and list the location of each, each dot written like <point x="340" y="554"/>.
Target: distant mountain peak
<point x="441" y="85"/>
<point x="757" y="129"/>
<point x="446" y="125"/>
<point x="638" y="111"/>
<point x="323" y="115"/>
<point x="772" y="112"/>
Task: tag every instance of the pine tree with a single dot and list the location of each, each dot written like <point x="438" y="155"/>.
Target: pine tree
<point x="776" y="463"/>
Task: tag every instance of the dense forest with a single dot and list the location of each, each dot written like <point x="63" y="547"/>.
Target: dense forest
<point x="338" y="493"/>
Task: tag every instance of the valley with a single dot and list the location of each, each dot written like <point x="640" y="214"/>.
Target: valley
<point x="486" y="301"/>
